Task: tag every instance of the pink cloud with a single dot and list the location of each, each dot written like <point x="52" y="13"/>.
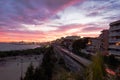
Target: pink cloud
<point x="67" y="30"/>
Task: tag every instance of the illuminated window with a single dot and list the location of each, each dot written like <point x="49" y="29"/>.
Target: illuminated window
<point x="89" y="43"/>
<point x="118" y="44"/>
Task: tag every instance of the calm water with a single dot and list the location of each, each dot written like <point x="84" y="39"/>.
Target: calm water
<point x="9" y="47"/>
<point x="12" y="68"/>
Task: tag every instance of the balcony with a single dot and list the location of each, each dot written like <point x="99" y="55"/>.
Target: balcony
<point x="115" y="28"/>
<point x="117" y="53"/>
<point x="114" y="34"/>
<point x="114" y="40"/>
<point x="114" y="47"/>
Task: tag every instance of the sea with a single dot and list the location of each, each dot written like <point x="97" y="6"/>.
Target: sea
<point x="12" y="68"/>
<point x="12" y="47"/>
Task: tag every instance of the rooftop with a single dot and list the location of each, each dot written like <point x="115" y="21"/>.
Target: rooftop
<point x="115" y="23"/>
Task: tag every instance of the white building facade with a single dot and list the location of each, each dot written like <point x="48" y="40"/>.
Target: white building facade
<point x="114" y="38"/>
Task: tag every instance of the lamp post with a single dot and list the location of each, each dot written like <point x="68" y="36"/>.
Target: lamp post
<point x="21" y="78"/>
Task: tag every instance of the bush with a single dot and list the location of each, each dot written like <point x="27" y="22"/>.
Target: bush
<point x="96" y="70"/>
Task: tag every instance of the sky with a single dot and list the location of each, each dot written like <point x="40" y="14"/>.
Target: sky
<point x="47" y="20"/>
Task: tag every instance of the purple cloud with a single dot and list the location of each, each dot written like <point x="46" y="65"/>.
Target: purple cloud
<point x="62" y="15"/>
<point x="92" y="29"/>
<point x="16" y="12"/>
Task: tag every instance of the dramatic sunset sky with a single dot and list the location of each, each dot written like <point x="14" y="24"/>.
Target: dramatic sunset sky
<point x="46" y="20"/>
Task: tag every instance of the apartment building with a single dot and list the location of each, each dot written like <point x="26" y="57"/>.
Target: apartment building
<point x="92" y="46"/>
<point x="104" y="44"/>
<point x="114" y="38"/>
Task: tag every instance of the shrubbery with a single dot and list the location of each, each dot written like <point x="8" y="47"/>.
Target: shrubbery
<point x="35" y="51"/>
<point x="45" y="70"/>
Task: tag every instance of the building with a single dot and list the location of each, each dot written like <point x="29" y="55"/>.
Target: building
<point x="68" y="41"/>
<point x="114" y="38"/>
<point x="104" y="42"/>
<point x="92" y="46"/>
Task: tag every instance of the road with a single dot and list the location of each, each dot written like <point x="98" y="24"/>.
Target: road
<point x="71" y="59"/>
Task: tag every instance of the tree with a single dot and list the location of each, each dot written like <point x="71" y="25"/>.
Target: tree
<point x="48" y="63"/>
<point x="29" y="73"/>
<point x="79" y="44"/>
<point x="39" y="74"/>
